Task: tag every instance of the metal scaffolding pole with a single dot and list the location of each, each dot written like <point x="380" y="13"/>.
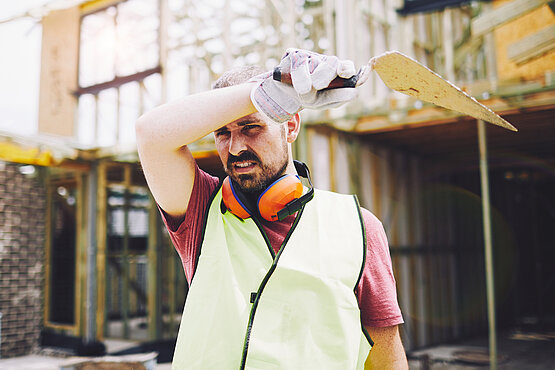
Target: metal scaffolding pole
<point x="486" y="215"/>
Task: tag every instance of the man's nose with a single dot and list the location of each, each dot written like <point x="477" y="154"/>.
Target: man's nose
<point x="237" y="143"/>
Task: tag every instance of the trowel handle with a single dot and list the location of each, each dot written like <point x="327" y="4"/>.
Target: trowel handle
<point x="337" y="83"/>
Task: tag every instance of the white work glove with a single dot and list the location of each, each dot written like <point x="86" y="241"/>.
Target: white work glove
<point x="310" y="74"/>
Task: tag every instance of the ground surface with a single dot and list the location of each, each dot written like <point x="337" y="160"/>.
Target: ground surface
<point x="531" y="349"/>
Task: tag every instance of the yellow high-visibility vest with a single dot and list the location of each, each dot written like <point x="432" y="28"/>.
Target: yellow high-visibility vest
<point x="248" y="308"/>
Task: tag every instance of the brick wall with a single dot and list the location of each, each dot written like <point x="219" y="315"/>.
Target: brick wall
<point x="22" y="235"/>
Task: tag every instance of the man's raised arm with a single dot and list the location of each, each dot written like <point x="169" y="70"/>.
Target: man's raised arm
<point x="164" y="133"/>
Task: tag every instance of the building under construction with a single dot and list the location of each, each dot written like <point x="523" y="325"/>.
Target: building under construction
<point x="83" y="251"/>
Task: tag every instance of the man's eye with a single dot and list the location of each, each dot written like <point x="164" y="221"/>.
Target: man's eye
<point x="251" y="127"/>
<point x="222" y="133"/>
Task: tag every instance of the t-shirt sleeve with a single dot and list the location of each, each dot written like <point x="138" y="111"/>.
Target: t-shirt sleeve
<point x="186" y="231"/>
<point x="376" y="292"/>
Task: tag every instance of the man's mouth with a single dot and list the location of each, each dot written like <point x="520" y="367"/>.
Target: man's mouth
<point x="243" y="166"/>
<point x="243" y="163"/>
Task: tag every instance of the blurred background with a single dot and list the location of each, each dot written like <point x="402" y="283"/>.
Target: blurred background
<point x="84" y="257"/>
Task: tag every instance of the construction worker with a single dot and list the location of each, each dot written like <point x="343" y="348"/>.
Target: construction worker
<point x="280" y="275"/>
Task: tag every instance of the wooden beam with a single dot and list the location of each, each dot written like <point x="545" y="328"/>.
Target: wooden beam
<point x="48" y="250"/>
<point x="170" y="261"/>
<point x="448" y="44"/>
<point x="490" y="20"/>
<point x="471" y="46"/>
<point x="102" y="231"/>
<point x="116" y="82"/>
<point x="125" y="255"/>
<point x="80" y="253"/>
<point x="154" y="274"/>
<point x="532" y="46"/>
<point x="332" y="144"/>
<point x="59" y="72"/>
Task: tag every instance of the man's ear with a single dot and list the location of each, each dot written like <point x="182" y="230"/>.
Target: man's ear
<point x="293" y="127"/>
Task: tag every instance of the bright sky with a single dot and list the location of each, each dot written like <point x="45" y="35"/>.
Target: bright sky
<point x="19" y="68"/>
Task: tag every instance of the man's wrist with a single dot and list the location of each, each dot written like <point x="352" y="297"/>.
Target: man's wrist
<point x="265" y="96"/>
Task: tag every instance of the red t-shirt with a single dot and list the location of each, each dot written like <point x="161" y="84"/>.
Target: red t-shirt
<point x="376" y="293"/>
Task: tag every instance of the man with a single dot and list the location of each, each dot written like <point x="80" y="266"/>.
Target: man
<point x="287" y="293"/>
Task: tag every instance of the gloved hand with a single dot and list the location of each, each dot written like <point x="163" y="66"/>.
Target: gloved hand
<point x="310" y="74"/>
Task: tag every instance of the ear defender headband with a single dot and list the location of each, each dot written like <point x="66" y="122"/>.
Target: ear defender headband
<point x="282" y="198"/>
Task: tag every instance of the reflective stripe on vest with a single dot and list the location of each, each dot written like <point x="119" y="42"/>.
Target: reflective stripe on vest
<point x="304" y="313"/>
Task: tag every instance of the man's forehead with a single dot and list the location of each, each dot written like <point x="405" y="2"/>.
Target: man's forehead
<point x="251" y="118"/>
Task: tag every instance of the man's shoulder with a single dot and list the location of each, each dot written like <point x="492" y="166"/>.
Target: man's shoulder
<point x="369" y="218"/>
<point x="376" y="237"/>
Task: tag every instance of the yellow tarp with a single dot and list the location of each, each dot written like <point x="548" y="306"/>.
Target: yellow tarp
<point x="11" y="152"/>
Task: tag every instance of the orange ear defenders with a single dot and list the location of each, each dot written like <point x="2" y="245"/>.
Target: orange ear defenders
<point x="282" y="198"/>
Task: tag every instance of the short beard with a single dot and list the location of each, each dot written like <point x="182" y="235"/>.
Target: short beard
<point x="259" y="182"/>
<point x="250" y="185"/>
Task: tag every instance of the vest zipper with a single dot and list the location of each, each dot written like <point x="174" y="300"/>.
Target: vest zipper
<point x="265" y="280"/>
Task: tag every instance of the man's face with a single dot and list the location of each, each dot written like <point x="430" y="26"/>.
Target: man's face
<point x="253" y="152"/>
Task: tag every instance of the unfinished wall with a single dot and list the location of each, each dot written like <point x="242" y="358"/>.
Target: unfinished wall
<point x="22" y="233"/>
<point x="433" y="224"/>
<point x="523" y="29"/>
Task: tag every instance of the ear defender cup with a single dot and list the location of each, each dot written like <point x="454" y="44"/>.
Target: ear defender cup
<point x="232" y="202"/>
<point x="284" y="190"/>
<point x="281" y="192"/>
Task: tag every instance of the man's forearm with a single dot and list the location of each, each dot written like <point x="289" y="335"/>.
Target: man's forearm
<point x="381" y="357"/>
<point x="190" y="118"/>
<point x="164" y="133"/>
<point x="388" y="351"/>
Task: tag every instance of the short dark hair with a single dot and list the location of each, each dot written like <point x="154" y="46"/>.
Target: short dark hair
<point x="237" y="76"/>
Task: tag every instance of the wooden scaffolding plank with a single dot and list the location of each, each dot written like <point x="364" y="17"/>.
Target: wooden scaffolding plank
<point x="489" y="20"/>
<point x="532" y="46"/>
